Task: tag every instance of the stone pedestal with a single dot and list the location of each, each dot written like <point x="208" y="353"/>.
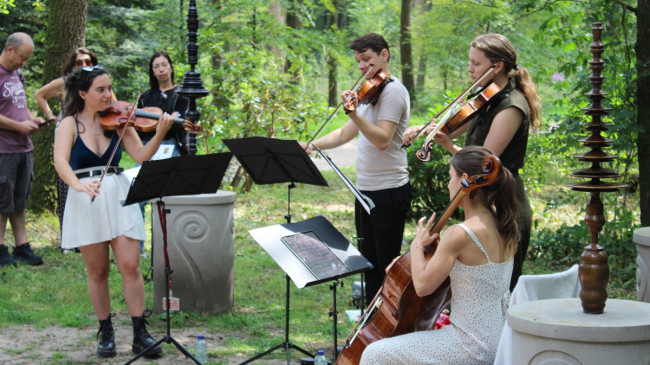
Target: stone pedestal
<point x="557" y="331"/>
<point x="642" y="240"/>
<point x="200" y="244"/>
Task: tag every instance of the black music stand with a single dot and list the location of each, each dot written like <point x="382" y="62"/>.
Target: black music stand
<point x="183" y="175"/>
<point x="311" y="252"/>
<point x="272" y="161"/>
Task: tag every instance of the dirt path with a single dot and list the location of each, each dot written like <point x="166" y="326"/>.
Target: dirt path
<point x="55" y="345"/>
<point x="342" y="156"/>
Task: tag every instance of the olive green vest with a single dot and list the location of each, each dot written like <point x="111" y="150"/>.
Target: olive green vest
<point x="514" y="155"/>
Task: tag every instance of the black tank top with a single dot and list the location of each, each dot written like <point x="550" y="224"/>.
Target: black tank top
<point x="82" y="157"/>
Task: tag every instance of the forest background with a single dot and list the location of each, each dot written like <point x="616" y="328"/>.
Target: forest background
<point x="276" y="68"/>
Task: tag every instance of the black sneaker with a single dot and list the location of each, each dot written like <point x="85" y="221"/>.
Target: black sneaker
<point x="24" y="254"/>
<point x="5" y="258"/>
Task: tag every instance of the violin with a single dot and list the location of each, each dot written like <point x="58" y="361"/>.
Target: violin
<point x="368" y="92"/>
<point x="460" y="118"/>
<point x="397" y="309"/>
<point x="121" y="114"/>
<point x="143" y="120"/>
<point x="451" y="107"/>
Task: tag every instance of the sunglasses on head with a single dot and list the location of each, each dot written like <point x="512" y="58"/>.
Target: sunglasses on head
<point x="87" y="62"/>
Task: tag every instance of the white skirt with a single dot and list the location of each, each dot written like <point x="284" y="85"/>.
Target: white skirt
<point x="85" y="223"/>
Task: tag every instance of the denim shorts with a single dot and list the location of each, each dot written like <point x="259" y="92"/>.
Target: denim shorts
<point x="16" y="177"/>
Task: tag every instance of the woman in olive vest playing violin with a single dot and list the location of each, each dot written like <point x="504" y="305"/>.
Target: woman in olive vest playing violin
<point x="503" y="125"/>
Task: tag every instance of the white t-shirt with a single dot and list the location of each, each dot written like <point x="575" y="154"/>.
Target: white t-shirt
<point x="376" y="169"/>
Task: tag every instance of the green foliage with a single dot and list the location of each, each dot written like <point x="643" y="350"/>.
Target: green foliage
<point x="560" y="246"/>
<point x="120" y="34"/>
<point x="268" y="79"/>
<point x="256" y="101"/>
<point x="429" y="180"/>
<point x="5" y="5"/>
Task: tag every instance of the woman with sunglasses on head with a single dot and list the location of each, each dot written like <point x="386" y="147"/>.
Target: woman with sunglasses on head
<point x="80" y="57"/>
<point x="503" y="125"/>
<point x="81" y="151"/>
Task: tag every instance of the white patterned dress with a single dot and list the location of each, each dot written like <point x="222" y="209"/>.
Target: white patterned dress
<point x="478" y="311"/>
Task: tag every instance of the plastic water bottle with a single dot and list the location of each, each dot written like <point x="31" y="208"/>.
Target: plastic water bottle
<point x="320" y="358"/>
<point x="201" y="349"/>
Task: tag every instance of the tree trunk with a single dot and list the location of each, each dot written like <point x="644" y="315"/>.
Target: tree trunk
<point x="65" y="31"/>
<point x="332" y="64"/>
<point x="643" y="106"/>
<point x="422" y="7"/>
<point x="406" y="51"/>
<point x="293" y="22"/>
<point x="217" y="58"/>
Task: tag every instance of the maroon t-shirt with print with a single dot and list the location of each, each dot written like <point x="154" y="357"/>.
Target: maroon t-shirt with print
<point x="13" y="105"/>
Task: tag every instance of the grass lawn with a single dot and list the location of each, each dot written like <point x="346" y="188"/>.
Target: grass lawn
<point x="55" y="294"/>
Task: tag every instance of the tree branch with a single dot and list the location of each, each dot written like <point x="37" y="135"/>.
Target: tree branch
<point x="626" y="6"/>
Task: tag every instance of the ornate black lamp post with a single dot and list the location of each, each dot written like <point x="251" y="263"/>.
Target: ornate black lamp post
<point x="192" y="86"/>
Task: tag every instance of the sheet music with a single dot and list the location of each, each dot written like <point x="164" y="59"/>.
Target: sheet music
<point x="365" y="202"/>
<point x="164" y="151"/>
<point x="315" y="255"/>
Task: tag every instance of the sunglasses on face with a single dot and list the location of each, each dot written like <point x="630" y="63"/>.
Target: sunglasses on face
<point x="87" y="62"/>
<point x="92" y="68"/>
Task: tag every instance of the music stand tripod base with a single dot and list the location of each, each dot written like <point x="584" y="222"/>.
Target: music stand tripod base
<point x="183" y="175"/>
<point x="309" y="252"/>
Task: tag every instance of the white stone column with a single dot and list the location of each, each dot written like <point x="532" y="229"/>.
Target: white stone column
<point x="200" y="244"/>
<point x="557" y="331"/>
<point x="642" y="239"/>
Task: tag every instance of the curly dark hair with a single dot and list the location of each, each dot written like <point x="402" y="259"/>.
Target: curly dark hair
<point x="80" y="80"/>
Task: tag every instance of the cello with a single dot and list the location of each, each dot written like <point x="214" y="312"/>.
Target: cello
<point x="397" y="309"/>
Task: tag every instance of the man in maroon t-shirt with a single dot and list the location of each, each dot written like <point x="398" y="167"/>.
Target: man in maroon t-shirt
<point x="16" y="149"/>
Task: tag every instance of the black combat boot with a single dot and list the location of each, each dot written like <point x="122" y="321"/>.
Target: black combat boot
<point x="142" y="339"/>
<point x="106" y="336"/>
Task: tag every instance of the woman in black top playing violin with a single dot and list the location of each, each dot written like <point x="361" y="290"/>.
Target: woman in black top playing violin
<point x="503" y="126"/>
<point x="162" y="94"/>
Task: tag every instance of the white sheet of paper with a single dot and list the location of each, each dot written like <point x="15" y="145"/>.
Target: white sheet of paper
<point x="164" y="151"/>
<point x="131" y="173"/>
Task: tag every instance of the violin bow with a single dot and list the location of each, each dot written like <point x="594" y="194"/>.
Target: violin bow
<point x="129" y="120"/>
<point x="450" y="105"/>
<point x="338" y="106"/>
